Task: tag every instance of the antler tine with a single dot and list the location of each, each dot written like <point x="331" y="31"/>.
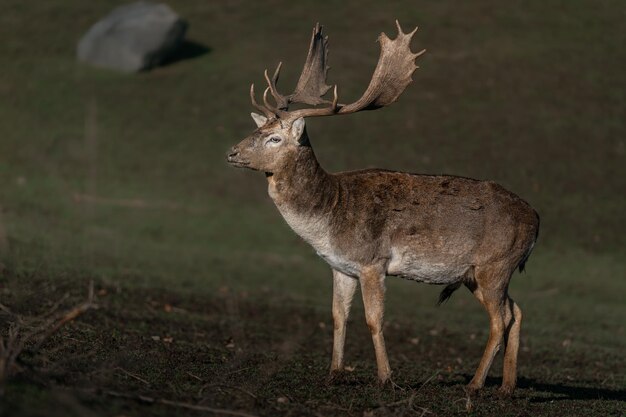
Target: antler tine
<point x="274" y="110"/>
<point x="282" y="102"/>
<point x="257" y="106"/>
<point x="398" y="26"/>
<point x="335" y="97"/>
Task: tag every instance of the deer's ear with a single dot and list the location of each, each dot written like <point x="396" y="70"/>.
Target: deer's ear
<point x="297" y="127"/>
<point x="258" y="119"/>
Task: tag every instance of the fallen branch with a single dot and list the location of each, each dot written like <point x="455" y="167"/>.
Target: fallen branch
<point x="25" y="330"/>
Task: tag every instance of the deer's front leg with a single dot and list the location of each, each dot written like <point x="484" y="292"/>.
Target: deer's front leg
<point x="373" y="290"/>
<point x="343" y="291"/>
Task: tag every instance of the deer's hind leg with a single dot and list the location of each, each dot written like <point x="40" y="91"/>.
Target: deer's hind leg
<point x="512" y="323"/>
<point x="490" y="288"/>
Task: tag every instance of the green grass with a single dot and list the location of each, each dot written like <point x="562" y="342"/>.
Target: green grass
<point x="531" y="96"/>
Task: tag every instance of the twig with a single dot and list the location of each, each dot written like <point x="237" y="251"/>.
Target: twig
<point x="153" y="400"/>
<point x="427" y="381"/>
<point x="412" y="397"/>
<point x="239" y="370"/>
<point x="55" y="306"/>
<point x="195" y="376"/>
<point x="67" y="317"/>
<point x="17" y="340"/>
<point x="6" y="309"/>
<point x="424" y="411"/>
<point x="132" y="375"/>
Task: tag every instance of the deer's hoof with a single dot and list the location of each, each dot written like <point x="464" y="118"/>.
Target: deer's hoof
<point x="389" y="383"/>
<point x="470" y="392"/>
<point x="506" y="391"/>
<point x="384" y="376"/>
<point x="471" y="389"/>
<point x="334" y="376"/>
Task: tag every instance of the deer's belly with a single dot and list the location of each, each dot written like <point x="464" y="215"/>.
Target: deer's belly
<point x="426" y="269"/>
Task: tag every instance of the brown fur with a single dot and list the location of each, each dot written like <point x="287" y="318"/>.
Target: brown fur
<point x="371" y="223"/>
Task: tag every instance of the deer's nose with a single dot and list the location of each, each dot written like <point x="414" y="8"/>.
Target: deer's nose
<point x="234" y="152"/>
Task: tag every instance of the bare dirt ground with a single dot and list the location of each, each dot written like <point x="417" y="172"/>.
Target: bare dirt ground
<point x="162" y="353"/>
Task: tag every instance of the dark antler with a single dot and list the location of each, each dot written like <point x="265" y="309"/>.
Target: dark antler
<point x="267" y="112"/>
<point x="392" y="75"/>
<point x="312" y="85"/>
<point x="282" y="102"/>
<point x="312" y="82"/>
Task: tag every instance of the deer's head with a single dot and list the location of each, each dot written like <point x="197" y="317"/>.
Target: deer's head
<point x="280" y="133"/>
<point x="272" y="145"/>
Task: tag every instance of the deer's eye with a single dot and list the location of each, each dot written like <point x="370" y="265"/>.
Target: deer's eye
<point x="275" y="139"/>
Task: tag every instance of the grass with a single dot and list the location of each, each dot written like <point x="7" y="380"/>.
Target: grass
<point x="122" y="179"/>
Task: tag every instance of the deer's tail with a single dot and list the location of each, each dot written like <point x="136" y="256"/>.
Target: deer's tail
<point x="447" y="292"/>
<point x="522" y="263"/>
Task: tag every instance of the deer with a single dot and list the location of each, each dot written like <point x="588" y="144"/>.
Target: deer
<point x="374" y="223"/>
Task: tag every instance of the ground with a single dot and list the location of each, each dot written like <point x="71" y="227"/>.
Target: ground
<point x="266" y="354"/>
<point x="207" y="299"/>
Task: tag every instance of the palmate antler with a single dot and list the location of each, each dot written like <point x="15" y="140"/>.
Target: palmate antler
<point x="391" y="77"/>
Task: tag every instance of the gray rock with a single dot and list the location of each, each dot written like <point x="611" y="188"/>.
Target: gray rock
<point x="133" y="37"/>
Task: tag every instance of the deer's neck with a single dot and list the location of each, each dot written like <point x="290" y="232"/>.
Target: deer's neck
<point x="306" y="196"/>
<point x="302" y="187"/>
<point x="309" y="198"/>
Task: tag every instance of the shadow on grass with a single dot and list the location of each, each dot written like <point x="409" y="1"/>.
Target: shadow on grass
<point x="188" y="49"/>
<point x="568" y="392"/>
<point x="560" y="391"/>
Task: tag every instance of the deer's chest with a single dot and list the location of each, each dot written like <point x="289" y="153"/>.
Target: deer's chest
<point x="316" y="231"/>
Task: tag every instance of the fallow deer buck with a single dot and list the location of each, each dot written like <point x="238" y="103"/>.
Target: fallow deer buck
<point x="373" y="223"/>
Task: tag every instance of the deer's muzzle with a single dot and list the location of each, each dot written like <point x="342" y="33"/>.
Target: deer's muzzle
<point x="234" y="158"/>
